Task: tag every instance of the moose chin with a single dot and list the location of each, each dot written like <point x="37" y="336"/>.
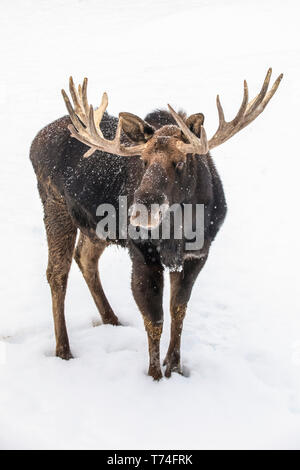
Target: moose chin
<point x="89" y="158"/>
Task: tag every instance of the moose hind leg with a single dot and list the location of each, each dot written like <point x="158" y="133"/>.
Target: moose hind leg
<point x="61" y="235"/>
<point x="87" y="255"/>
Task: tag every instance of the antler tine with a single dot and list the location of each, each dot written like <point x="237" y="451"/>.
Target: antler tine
<point x="243" y="107"/>
<point x="84" y="96"/>
<point x="220" y="113"/>
<point x="73" y="92"/>
<point x="273" y="89"/>
<point x="76" y="122"/>
<point x="197" y="145"/>
<point x="190" y="136"/>
<point x="92" y="127"/>
<point x="203" y="141"/>
<point x="240" y="113"/>
<point x="118" y="133"/>
<point x="77" y="100"/>
<point x="258" y="99"/>
<point x="101" y="109"/>
<point x="247" y="112"/>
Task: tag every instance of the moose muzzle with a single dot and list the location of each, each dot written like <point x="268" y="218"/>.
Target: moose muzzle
<point x="150" y="199"/>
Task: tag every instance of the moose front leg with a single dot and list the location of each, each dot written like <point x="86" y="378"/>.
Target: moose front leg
<point x="181" y="287"/>
<point x="147" y="289"/>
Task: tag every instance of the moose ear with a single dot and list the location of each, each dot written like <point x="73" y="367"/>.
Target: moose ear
<point x="194" y="122"/>
<point x="135" y="128"/>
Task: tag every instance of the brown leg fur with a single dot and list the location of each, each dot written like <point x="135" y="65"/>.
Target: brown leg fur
<point x="154" y="333"/>
<point x="87" y="255"/>
<point x="172" y="360"/>
<point x="61" y="235"/>
<point x="147" y="289"/>
<point x="181" y="288"/>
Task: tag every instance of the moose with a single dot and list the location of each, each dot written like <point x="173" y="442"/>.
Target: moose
<point x="89" y="157"/>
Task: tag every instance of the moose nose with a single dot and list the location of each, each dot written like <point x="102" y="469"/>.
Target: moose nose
<point x="153" y="186"/>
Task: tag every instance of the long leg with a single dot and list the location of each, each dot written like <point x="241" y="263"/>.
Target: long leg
<point x="181" y="288"/>
<point x="61" y="235"/>
<point x="147" y="289"/>
<point x="87" y="255"/>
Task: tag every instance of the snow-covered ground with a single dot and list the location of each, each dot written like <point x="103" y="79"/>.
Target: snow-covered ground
<point x="241" y="341"/>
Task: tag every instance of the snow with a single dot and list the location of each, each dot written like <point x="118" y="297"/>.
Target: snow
<point x="241" y="340"/>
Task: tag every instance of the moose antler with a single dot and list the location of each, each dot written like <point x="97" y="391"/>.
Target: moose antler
<point x="246" y="114"/>
<point x="86" y="122"/>
<point x="85" y="125"/>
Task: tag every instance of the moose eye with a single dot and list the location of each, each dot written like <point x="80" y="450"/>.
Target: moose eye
<point x="179" y="166"/>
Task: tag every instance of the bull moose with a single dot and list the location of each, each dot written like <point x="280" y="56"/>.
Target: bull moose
<point x="88" y="158"/>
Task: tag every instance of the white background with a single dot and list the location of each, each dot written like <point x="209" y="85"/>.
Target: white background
<point x="241" y="340"/>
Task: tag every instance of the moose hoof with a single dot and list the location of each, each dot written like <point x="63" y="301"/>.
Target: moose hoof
<point x="172" y="364"/>
<point x="112" y="320"/>
<point x="155" y="373"/>
<point x="169" y="370"/>
<point x="64" y="354"/>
